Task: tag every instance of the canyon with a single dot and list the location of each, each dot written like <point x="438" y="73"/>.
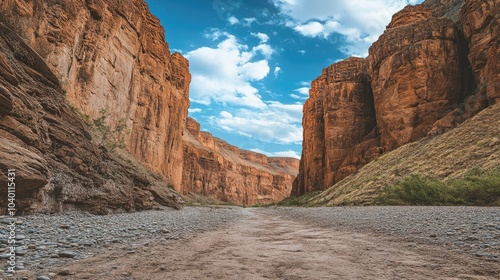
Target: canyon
<point x="435" y="66"/>
<point x="109" y="60"/>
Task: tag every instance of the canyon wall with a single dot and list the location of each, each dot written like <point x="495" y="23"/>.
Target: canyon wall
<point x="57" y="164"/>
<point x="111" y="56"/>
<point x="435" y="66"/>
<point x="218" y="170"/>
<point x="339" y="126"/>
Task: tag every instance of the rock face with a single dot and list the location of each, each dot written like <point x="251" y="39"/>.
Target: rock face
<point x="481" y="25"/>
<point x="58" y="165"/>
<point x="416" y="75"/>
<point x="112" y="56"/>
<point x="435" y="66"/>
<point x="218" y="170"/>
<point x="339" y="126"/>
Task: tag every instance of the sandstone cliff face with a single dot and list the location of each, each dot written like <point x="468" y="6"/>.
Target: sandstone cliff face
<point x="112" y="55"/>
<point x="481" y="25"/>
<point x="339" y="126"/>
<point x="435" y="66"/>
<point x="218" y="170"/>
<point x="416" y="78"/>
<point x="58" y="165"/>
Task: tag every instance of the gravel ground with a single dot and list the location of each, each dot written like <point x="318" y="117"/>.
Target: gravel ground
<point x="52" y="240"/>
<point x="473" y="230"/>
<point x="45" y="241"/>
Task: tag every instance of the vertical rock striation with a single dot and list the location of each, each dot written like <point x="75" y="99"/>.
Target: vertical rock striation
<point x="481" y="26"/>
<point x="416" y="78"/>
<point x="339" y="126"/>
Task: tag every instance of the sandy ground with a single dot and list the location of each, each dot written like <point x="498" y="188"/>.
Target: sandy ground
<point x="262" y="246"/>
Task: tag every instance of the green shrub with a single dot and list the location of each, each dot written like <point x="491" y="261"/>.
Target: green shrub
<point x="113" y="137"/>
<point x="477" y="187"/>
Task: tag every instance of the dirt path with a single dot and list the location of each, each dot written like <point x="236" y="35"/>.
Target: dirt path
<point x="261" y="246"/>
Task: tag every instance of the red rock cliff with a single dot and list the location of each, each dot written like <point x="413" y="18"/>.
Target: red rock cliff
<point x="435" y="66"/>
<point x="58" y="164"/>
<point x="339" y="126"/>
<point x="112" y="55"/>
<point x="216" y="169"/>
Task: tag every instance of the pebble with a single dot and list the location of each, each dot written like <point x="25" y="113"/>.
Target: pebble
<point x="64" y="272"/>
<point x="67" y="254"/>
<point x="42" y="278"/>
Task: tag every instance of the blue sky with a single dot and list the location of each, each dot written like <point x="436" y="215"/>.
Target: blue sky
<point x="252" y="62"/>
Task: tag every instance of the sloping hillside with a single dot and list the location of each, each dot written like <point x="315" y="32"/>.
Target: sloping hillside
<point x="475" y="143"/>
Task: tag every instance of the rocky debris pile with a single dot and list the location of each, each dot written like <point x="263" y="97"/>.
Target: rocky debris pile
<point x="472" y="230"/>
<point x="45" y="241"/>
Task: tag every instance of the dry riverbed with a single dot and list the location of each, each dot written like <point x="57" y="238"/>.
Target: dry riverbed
<point x="262" y="243"/>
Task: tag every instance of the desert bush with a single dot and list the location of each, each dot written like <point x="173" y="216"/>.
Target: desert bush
<point x="112" y="137"/>
<point x="477" y="187"/>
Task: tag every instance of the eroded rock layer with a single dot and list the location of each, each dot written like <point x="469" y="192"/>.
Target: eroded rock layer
<point x="57" y="163"/>
<point x="218" y="170"/>
<point x="435" y="66"/>
<point x="112" y="56"/>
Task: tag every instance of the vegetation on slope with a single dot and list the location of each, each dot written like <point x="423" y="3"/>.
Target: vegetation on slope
<point x="477" y="187"/>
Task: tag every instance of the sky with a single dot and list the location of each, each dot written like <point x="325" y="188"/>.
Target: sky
<point x="252" y="62"/>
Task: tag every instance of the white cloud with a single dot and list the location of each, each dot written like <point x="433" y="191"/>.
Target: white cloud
<point x="361" y="22"/>
<point x="249" y="21"/>
<point x="303" y="90"/>
<point x="277" y="71"/>
<point x="194" y="110"/>
<point x="264" y="49"/>
<point x="277" y="122"/>
<point x="262" y="36"/>
<point x="291" y="154"/>
<point x="302" y="52"/>
<point x="224" y="74"/>
<point x="298" y="97"/>
<point x="233" y="20"/>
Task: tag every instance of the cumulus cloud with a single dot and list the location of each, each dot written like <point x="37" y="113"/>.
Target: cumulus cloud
<point x="360" y="22"/>
<point x="249" y="21"/>
<point x="275" y="123"/>
<point x="277" y="71"/>
<point x="194" y="110"/>
<point x="265" y="49"/>
<point x="303" y="90"/>
<point x="262" y="36"/>
<point x="291" y="154"/>
<point x="225" y="73"/>
<point x="233" y="20"/>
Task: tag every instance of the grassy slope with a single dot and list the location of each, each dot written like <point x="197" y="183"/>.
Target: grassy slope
<point x="475" y="143"/>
